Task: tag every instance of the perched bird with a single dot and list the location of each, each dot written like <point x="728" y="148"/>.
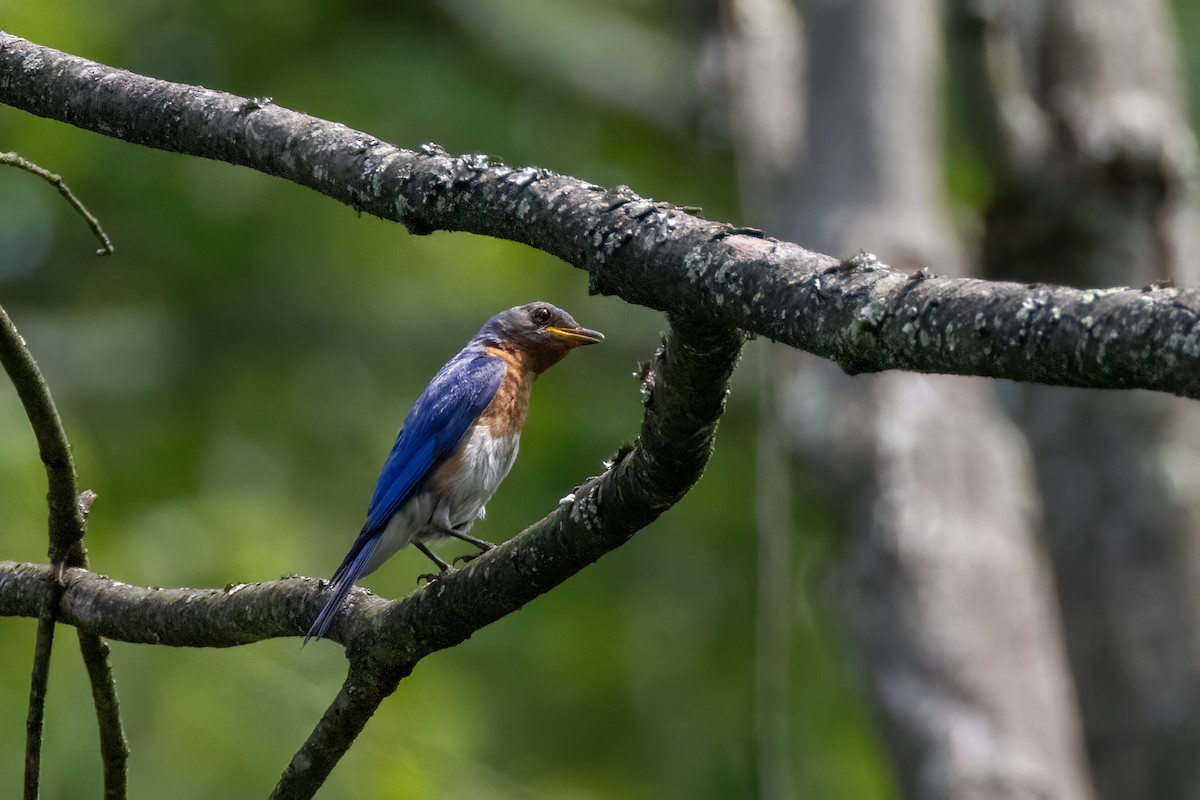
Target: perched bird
<point x="457" y="443"/>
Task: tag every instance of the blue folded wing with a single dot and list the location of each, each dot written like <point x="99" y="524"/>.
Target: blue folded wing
<point x="442" y="415"/>
<point x="433" y="429"/>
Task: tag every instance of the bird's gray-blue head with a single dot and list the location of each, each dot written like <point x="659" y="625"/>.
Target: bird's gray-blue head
<point x="540" y="330"/>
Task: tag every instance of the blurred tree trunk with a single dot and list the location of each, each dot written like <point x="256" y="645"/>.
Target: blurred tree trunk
<point x="951" y="612"/>
<point x="1092" y="161"/>
<point x="759" y="61"/>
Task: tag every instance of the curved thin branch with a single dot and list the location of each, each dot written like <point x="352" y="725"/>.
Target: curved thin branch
<point x="66" y="517"/>
<point x="14" y="160"/>
<point x="860" y="313"/>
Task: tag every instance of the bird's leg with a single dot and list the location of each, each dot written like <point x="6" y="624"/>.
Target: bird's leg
<point x="443" y="567"/>
<point x="483" y="544"/>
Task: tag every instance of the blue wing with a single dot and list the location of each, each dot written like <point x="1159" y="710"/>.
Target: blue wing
<point x="439" y="419"/>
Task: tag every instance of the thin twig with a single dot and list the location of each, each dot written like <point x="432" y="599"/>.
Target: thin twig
<point x="14" y="160"/>
<point x="37" y="697"/>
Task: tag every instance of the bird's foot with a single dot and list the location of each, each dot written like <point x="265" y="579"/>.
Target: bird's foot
<point x="432" y="577"/>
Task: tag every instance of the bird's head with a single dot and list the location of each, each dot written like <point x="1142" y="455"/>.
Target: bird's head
<point x="539" y="330"/>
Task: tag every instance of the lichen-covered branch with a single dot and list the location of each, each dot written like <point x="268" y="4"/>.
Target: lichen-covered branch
<point x="865" y="316"/>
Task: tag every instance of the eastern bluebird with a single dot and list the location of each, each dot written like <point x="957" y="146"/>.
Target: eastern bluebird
<point x="457" y="443"/>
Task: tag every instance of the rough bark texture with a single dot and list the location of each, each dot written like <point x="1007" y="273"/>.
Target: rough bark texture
<point x="857" y="312"/>
<point x="1094" y="163"/>
<point x="950" y="610"/>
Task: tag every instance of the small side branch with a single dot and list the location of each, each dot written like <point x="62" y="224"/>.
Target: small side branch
<point x="14" y="160"/>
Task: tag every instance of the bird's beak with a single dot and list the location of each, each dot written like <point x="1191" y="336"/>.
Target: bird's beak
<point x="577" y="337"/>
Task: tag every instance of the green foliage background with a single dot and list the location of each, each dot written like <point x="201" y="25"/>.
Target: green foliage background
<point x="233" y="377"/>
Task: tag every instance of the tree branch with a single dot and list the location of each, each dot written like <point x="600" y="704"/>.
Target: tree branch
<point x="114" y="747"/>
<point x="67" y="524"/>
<point x="862" y="314"/>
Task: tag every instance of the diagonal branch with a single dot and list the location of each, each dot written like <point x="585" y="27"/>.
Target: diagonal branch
<point x="860" y="313"/>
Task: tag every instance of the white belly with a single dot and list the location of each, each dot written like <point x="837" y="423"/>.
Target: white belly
<point x="451" y="498"/>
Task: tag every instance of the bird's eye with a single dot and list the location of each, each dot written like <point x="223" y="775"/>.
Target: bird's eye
<point x="541" y="315"/>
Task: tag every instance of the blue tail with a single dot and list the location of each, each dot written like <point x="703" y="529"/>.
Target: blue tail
<point x="343" y="581"/>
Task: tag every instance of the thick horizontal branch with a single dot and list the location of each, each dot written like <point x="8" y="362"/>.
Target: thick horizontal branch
<point x="865" y="316"/>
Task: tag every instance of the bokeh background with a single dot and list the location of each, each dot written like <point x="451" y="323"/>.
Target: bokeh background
<point x="232" y="378"/>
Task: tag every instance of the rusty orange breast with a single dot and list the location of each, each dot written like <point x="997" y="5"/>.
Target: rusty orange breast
<point x="508" y="409"/>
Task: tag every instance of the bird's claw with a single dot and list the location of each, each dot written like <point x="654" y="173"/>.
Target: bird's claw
<point x="431" y="577"/>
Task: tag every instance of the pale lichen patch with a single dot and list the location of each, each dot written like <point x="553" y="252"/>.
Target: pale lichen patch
<point x="872" y="313"/>
<point x="32" y="62"/>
